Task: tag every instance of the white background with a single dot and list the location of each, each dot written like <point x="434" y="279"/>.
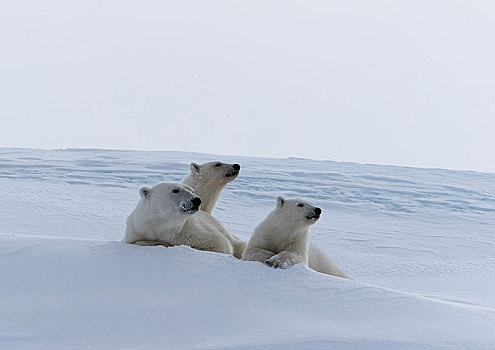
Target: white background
<point x="406" y="83"/>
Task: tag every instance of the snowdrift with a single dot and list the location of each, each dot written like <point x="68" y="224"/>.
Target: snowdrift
<point x="84" y="294"/>
<point x="418" y="244"/>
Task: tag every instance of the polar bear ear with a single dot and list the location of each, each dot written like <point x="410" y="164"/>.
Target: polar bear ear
<point x="194" y="168"/>
<point x="144" y="192"/>
<point x="280" y="202"/>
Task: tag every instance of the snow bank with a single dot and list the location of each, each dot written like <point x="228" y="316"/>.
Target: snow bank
<point x="418" y="243"/>
<point x="71" y="293"/>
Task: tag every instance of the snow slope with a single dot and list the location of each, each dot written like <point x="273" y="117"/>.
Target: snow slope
<point x="418" y="243"/>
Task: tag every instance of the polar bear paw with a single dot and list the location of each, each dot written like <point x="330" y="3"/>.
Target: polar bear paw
<point x="281" y="261"/>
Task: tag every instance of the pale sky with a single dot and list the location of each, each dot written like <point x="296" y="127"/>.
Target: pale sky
<point x="386" y="82"/>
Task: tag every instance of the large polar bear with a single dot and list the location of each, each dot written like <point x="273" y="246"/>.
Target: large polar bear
<point x="282" y="239"/>
<point x="168" y="214"/>
<point x="208" y="180"/>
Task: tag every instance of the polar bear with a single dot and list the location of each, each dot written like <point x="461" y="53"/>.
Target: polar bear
<point x="208" y="180"/>
<point x="282" y="239"/>
<point x="168" y="214"/>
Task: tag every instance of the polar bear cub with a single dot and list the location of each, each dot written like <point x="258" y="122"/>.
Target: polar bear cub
<point x="168" y="214"/>
<point x="282" y="239"/>
<point x="209" y="179"/>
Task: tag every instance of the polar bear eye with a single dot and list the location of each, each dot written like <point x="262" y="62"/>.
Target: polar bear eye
<point x="300" y="205"/>
<point x="218" y="165"/>
<point x="175" y="191"/>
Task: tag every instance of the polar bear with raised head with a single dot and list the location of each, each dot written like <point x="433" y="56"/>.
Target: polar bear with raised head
<point x="282" y="239"/>
<point x="209" y="179"/>
<point x="168" y="214"/>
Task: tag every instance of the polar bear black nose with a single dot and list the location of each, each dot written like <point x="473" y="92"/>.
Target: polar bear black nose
<point x="236" y="167"/>
<point x="317" y="211"/>
<point x="196" y="201"/>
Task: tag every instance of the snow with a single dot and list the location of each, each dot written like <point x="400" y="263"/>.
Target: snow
<point x="418" y="244"/>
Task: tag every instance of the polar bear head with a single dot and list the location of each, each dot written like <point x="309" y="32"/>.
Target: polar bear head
<point x="170" y="200"/>
<point x="297" y="211"/>
<point x="209" y="179"/>
<point x="215" y="173"/>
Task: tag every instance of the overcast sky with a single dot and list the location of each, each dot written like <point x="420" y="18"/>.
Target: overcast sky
<point x="387" y="82"/>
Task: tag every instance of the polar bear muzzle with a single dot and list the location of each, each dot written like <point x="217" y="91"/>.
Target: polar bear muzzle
<point x="315" y="216"/>
<point x="191" y="206"/>
<point x="233" y="171"/>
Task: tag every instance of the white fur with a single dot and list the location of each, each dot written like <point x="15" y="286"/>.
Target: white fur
<point x="321" y="262"/>
<point x="208" y="180"/>
<point x="282" y="239"/>
<point x="165" y="215"/>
